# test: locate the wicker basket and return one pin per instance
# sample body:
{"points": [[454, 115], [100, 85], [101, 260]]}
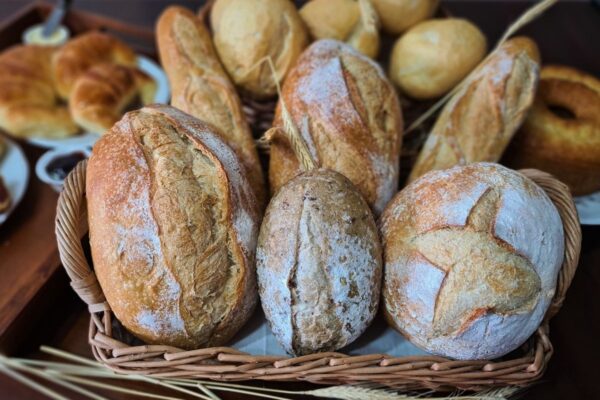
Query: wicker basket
{"points": [[228, 364]]}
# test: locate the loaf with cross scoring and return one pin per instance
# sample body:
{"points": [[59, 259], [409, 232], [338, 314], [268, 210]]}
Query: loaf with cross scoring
{"points": [[471, 258]]}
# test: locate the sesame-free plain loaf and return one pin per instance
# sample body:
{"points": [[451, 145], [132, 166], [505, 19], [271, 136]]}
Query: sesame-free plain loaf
{"points": [[471, 258], [318, 263], [348, 114], [173, 228]]}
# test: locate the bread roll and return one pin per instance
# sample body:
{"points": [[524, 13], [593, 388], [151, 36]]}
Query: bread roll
{"points": [[84, 51], [434, 56], [201, 87], [351, 21], [102, 93], [29, 105], [478, 122], [561, 133], [399, 15], [248, 31], [348, 113], [173, 228], [471, 257], [318, 263]]}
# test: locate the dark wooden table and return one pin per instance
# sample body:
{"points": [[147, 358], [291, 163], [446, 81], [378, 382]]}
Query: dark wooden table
{"points": [[567, 34]]}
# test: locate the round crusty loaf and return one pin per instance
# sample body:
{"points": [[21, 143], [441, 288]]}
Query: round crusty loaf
{"points": [[399, 15], [318, 263], [173, 228], [348, 114], [435, 55], [471, 257], [248, 31]]}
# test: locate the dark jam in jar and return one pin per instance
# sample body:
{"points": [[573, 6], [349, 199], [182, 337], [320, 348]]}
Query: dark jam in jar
{"points": [[60, 167]]}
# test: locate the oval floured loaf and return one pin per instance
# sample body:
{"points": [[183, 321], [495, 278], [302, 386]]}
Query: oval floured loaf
{"points": [[349, 115], [318, 263], [471, 259], [173, 228]]}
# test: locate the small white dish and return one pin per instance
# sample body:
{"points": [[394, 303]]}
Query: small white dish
{"points": [[33, 35], [43, 163], [14, 170], [588, 208], [162, 96]]}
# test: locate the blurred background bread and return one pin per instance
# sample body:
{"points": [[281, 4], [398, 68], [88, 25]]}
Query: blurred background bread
{"points": [[102, 93], [353, 21], [399, 15], [200, 86], [5, 200], [248, 31], [561, 134], [348, 113], [471, 258], [29, 103], [479, 121], [79, 54], [173, 228], [318, 263], [435, 55]]}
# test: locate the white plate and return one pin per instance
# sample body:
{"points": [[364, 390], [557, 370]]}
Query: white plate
{"points": [[14, 170], [588, 207], [88, 139]]}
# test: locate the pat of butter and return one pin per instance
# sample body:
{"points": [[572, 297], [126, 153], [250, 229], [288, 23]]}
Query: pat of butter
{"points": [[33, 35]]}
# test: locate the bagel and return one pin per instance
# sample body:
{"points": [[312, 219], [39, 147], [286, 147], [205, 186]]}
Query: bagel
{"points": [[561, 134]]}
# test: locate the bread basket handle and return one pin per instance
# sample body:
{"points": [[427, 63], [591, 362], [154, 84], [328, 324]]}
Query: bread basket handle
{"points": [[560, 195], [70, 213]]}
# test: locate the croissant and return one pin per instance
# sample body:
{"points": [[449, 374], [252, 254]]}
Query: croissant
{"points": [[29, 105], [101, 94], [86, 50]]}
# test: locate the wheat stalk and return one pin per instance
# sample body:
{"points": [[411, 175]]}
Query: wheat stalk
{"points": [[72, 375]]}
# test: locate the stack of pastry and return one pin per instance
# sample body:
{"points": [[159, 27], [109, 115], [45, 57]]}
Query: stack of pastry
{"points": [[95, 74]]}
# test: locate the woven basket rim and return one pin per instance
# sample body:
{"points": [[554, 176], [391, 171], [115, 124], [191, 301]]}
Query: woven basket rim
{"points": [[229, 364]]}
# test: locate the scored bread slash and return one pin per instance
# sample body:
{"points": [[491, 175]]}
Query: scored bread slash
{"points": [[173, 228], [318, 260]]}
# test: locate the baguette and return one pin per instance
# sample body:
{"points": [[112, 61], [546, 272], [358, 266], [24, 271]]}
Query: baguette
{"points": [[200, 86], [479, 121]]}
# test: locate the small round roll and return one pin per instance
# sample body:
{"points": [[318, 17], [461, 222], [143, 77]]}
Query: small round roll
{"points": [[248, 31], [434, 56], [399, 15]]}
